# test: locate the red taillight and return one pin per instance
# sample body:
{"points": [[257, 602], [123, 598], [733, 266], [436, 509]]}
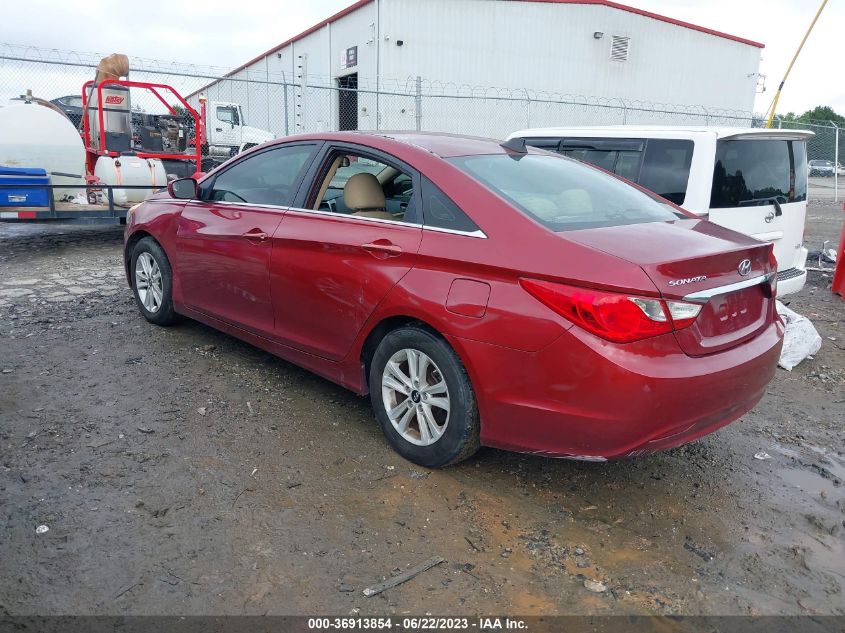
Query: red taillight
{"points": [[620, 318]]}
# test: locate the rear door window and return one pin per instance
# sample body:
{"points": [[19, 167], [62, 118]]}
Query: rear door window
{"points": [[440, 212], [751, 172]]}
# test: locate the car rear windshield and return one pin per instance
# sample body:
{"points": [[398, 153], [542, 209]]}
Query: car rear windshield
{"points": [[563, 194], [756, 172]]}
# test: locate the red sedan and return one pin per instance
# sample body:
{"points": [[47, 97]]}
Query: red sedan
{"points": [[480, 293]]}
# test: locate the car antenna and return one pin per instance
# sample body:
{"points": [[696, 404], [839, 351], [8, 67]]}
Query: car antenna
{"points": [[516, 145]]}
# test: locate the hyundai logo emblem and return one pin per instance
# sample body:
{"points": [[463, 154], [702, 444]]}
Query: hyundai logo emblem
{"points": [[744, 267], [769, 217]]}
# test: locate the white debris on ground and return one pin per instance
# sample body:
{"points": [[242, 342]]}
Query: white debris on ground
{"points": [[800, 339]]}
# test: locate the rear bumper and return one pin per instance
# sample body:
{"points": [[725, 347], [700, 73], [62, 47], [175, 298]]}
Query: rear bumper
{"points": [[585, 398], [792, 280]]}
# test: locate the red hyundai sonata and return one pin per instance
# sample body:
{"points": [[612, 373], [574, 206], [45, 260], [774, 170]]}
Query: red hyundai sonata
{"points": [[480, 293]]}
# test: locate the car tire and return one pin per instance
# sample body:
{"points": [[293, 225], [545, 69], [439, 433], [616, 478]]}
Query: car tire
{"points": [[152, 282], [409, 406]]}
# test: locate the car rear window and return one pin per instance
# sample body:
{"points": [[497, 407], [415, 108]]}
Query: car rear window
{"points": [[563, 194], [755, 172]]}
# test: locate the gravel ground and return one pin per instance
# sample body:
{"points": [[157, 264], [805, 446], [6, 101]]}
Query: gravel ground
{"points": [[181, 471]]}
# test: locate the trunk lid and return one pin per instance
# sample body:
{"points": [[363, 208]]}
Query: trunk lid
{"points": [[698, 262]]}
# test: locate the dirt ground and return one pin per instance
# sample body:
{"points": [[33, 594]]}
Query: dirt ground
{"points": [[181, 471]]}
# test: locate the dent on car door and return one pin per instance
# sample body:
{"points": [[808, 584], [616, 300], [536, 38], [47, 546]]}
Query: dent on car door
{"points": [[224, 240], [333, 263]]}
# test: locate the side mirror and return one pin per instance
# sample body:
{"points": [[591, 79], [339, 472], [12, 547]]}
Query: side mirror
{"points": [[182, 189]]}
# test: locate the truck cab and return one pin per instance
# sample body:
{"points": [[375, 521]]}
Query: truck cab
{"points": [[226, 131]]}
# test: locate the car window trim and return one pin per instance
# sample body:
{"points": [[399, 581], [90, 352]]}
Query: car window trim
{"points": [[362, 218], [229, 203]]}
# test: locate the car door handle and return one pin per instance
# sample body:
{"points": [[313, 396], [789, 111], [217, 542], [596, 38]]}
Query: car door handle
{"points": [[219, 129], [256, 235], [382, 249]]}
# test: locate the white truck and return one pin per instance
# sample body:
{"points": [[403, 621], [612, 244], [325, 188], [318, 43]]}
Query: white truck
{"points": [[226, 133]]}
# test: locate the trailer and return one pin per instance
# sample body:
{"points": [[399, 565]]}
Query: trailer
{"points": [[118, 158]]}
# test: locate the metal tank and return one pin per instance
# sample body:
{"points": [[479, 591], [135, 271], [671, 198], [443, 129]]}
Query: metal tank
{"points": [[35, 136]]}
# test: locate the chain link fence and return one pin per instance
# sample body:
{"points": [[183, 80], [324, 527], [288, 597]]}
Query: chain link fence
{"points": [[289, 103]]}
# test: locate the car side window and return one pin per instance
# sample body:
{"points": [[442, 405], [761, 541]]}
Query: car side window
{"points": [[267, 177], [440, 212], [362, 186]]}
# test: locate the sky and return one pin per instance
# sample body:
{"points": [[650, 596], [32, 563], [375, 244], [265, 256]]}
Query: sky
{"points": [[226, 34]]}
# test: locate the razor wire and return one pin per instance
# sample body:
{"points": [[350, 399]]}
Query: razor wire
{"points": [[286, 102]]}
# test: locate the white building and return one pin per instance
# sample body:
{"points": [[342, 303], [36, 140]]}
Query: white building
{"points": [[549, 62]]}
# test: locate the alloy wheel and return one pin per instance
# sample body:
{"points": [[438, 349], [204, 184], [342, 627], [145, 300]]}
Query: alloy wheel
{"points": [[148, 282], [415, 396]]}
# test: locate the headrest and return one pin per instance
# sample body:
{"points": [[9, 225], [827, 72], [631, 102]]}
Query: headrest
{"points": [[363, 192]]}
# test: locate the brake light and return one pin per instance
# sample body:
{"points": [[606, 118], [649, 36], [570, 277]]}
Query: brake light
{"points": [[620, 318]]}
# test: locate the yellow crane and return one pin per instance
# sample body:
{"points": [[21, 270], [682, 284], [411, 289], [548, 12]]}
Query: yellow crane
{"points": [[791, 64]]}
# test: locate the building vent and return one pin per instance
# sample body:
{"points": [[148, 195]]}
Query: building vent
{"points": [[619, 48]]}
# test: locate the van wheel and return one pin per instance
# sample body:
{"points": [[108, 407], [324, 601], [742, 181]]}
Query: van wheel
{"points": [[152, 282], [423, 399]]}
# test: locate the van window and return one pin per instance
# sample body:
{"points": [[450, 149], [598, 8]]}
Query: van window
{"points": [[665, 169], [659, 165], [625, 163], [799, 159], [757, 172]]}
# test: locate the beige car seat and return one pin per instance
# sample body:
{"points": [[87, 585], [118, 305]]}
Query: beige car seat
{"points": [[364, 195]]}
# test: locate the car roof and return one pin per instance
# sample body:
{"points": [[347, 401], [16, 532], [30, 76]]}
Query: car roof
{"points": [[440, 144], [612, 131]]}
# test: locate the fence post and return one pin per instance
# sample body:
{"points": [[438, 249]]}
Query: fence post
{"points": [[836, 164], [285, 101], [418, 103], [267, 85], [527, 107]]}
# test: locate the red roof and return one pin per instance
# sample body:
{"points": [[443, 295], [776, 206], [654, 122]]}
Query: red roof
{"points": [[603, 3]]}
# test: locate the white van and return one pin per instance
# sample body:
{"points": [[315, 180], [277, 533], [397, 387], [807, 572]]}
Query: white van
{"points": [[750, 180]]}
